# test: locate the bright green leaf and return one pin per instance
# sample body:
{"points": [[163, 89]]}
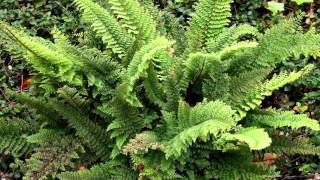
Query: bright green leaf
{"points": [[299, 2], [275, 7]]}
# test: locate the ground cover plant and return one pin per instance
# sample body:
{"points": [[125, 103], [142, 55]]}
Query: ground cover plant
{"points": [[153, 104]]}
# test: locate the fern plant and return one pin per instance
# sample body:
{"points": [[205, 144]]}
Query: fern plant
{"points": [[149, 106]]}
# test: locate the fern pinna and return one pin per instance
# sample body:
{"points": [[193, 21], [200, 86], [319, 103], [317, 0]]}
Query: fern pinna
{"points": [[151, 107]]}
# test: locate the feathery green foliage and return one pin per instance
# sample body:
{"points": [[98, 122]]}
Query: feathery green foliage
{"points": [[201, 121], [280, 119], [290, 146], [207, 22], [256, 139], [135, 19], [55, 152], [239, 167], [106, 26], [139, 66], [137, 109], [109, 170]]}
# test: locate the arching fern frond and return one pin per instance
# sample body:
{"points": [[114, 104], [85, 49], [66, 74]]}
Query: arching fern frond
{"points": [[255, 138], [196, 67], [154, 89], [151, 8], [14, 145], [247, 170], [245, 82], [13, 134], [90, 133], [282, 41], [106, 26], [292, 146], [108, 170], [74, 99], [139, 66], [209, 118], [232, 35], [42, 55], [39, 105], [135, 19], [236, 165], [229, 51], [253, 98], [278, 119], [125, 125], [210, 18]]}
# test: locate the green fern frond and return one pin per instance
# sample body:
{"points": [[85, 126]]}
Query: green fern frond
{"points": [[39, 105], [125, 125], [154, 89], [292, 146], [179, 143], [52, 156], [108, 170], [93, 63], [135, 19], [14, 145], [139, 66], [174, 30], [277, 44], [278, 119], [199, 122], [106, 26], [209, 20], [10, 45], [42, 55], [172, 85], [229, 51], [91, 133], [245, 82], [196, 66], [313, 43], [152, 9], [230, 36], [254, 97], [13, 134], [16, 126], [217, 84], [44, 135], [237, 172], [156, 74], [74, 98], [238, 165], [255, 138]]}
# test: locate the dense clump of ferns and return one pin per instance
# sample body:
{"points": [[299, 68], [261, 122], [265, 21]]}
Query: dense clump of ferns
{"points": [[151, 107]]}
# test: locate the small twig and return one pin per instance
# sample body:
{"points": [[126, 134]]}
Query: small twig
{"points": [[295, 159]]}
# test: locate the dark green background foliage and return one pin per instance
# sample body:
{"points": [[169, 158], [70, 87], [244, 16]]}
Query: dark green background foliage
{"points": [[39, 17]]}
